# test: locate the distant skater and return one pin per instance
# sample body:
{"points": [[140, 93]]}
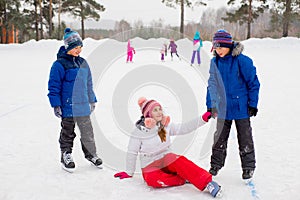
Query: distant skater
{"points": [[130, 52], [163, 51], [197, 44], [173, 48]]}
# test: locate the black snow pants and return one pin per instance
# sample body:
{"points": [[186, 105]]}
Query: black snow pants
{"points": [[245, 141], [67, 135]]}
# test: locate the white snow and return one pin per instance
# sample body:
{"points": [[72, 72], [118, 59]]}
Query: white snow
{"points": [[29, 150]]}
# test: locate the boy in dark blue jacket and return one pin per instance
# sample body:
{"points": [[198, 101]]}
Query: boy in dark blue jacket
{"points": [[232, 94], [73, 99]]}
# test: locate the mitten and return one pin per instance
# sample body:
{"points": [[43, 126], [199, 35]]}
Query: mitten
{"points": [[165, 121], [206, 116], [122, 175], [57, 111], [93, 106], [213, 111], [252, 111]]}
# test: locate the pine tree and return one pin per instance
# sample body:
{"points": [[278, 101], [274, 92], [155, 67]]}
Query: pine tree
{"points": [[84, 9], [246, 13], [10, 16], [182, 3], [284, 13]]}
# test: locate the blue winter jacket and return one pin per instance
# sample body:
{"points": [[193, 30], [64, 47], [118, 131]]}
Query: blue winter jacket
{"points": [[70, 85], [233, 85]]}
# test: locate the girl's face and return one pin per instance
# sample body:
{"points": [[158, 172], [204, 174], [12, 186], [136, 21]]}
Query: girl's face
{"points": [[222, 51], [157, 113], [75, 51]]}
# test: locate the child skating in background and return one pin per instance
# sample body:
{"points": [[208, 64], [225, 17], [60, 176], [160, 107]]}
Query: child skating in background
{"points": [[173, 48], [73, 99], [163, 52], [197, 44], [130, 52], [160, 167]]}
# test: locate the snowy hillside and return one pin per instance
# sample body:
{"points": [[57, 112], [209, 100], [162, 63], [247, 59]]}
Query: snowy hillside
{"points": [[29, 151]]}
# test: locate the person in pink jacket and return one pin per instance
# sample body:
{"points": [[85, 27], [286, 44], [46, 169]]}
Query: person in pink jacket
{"points": [[130, 52], [160, 167]]}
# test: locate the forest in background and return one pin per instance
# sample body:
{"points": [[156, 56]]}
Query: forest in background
{"points": [[252, 18], [209, 22]]}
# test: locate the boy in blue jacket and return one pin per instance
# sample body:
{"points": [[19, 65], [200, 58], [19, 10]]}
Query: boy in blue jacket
{"points": [[73, 99], [232, 94]]}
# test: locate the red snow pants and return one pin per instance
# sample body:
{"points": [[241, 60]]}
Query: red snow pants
{"points": [[174, 170]]}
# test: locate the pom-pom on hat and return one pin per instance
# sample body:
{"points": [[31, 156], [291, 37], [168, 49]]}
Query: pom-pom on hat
{"points": [[222, 38], [72, 39]]}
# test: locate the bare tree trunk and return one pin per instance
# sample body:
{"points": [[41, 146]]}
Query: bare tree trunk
{"points": [[82, 22], [36, 24], [5, 25], [50, 19], [82, 28], [41, 19], [182, 18], [286, 18], [59, 23], [249, 19]]}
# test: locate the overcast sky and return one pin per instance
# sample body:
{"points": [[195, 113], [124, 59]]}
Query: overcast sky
{"points": [[149, 10]]}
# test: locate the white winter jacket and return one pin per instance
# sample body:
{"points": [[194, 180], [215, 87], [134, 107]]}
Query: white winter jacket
{"points": [[147, 143]]}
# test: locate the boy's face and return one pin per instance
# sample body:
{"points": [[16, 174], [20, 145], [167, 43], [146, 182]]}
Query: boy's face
{"points": [[222, 51], [75, 51]]}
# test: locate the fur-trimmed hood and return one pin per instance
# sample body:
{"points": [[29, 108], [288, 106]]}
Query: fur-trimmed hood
{"points": [[237, 49]]}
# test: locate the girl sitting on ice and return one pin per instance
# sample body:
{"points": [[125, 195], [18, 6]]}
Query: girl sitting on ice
{"points": [[160, 167]]}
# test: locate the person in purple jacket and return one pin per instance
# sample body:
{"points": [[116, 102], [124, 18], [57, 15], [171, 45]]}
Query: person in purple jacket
{"points": [[173, 48]]}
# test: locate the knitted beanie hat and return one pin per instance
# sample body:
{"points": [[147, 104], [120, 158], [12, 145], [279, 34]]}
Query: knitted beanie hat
{"points": [[71, 39], [146, 107], [197, 35], [222, 39]]}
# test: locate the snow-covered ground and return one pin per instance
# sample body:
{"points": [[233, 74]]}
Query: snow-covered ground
{"points": [[29, 151]]}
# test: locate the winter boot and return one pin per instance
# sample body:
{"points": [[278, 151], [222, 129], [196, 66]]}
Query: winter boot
{"points": [[214, 171], [247, 174], [214, 189], [67, 162], [95, 161]]}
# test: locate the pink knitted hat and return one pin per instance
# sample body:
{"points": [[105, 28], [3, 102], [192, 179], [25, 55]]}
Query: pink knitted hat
{"points": [[146, 107]]}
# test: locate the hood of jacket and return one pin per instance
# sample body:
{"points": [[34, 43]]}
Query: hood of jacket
{"points": [[69, 61], [236, 50]]}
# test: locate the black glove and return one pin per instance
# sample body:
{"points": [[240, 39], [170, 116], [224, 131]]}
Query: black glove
{"points": [[213, 111], [252, 111], [57, 111]]}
